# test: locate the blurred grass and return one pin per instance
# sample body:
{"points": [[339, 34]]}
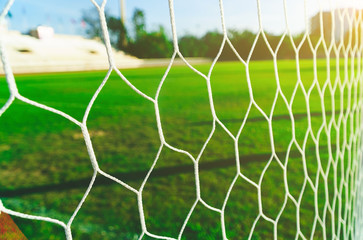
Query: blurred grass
{"points": [[38, 148]]}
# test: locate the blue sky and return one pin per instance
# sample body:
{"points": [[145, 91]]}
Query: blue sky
{"points": [[192, 16]]}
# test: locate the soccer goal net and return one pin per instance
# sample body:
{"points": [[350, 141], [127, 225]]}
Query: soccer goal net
{"points": [[280, 157]]}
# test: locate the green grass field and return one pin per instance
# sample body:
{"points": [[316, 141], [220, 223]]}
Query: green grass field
{"points": [[40, 148]]}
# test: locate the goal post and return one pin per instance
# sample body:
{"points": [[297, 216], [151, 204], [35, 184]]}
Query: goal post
{"points": [[296, 147]]}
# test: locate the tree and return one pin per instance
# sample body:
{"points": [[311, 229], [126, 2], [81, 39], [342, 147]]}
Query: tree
{"points": [[151, 45], [192, 46], [118, 34], [155, 44], [212, 41], [93, 26], [138, 20], [242, 41]]}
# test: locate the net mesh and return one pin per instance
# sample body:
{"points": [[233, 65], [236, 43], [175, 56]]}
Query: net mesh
{"points": [[335, 180]]}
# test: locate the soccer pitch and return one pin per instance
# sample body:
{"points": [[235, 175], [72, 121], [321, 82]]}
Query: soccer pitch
{"points": [[46, 170]]}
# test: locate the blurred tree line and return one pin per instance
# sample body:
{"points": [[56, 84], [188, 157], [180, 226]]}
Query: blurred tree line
{"points": [[156, 44], [142, 43]]}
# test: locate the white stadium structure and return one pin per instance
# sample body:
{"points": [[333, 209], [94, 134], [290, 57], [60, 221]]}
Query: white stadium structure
{"points": [[44, 51], [57, 53]]}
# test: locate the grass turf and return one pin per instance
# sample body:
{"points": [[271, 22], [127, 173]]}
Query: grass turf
{"points": [[40, 148]]}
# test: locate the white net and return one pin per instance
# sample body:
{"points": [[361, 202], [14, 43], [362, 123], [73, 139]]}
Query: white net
{"points": [[326, 151]]}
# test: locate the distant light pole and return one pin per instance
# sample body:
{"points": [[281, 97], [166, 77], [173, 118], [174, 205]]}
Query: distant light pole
{"points": [[123, 20], [122, 12]]}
